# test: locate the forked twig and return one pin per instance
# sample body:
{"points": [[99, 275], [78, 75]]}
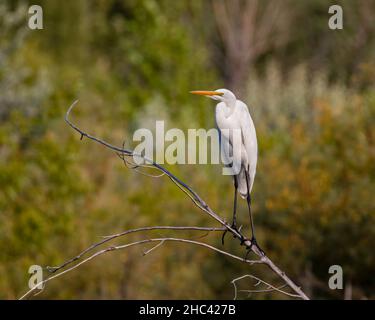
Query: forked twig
{"points": [[270, 287]]}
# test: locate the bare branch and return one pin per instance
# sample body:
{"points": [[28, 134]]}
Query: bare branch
{"points": [[270, 287], [121, 234], [135, 243], [128, 152]]}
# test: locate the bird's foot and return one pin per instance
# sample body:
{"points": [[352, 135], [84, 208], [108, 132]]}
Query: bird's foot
{"points": [[234, 227], [249, 248], [255, 244]]}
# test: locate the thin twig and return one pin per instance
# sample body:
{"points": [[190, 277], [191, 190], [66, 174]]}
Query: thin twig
{"points": [[153, 248], [270, 287], [117, 235], [113, 248]]}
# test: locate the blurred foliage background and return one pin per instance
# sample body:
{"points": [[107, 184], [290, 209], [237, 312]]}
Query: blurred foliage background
{"points": [[131, 62]]}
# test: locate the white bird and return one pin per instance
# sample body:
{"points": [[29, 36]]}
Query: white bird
{"points": [[232, 115]]}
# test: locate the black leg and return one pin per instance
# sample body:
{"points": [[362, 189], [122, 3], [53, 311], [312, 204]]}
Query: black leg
{"points": [[234, 222], [248, 199]]}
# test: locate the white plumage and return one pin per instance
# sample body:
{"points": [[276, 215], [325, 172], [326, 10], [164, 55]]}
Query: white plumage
{"points": [[233, 117], [239, 144], [230, 116]]}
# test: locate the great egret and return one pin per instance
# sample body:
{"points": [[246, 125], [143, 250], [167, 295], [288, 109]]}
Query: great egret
{"points": [[232, 114]]}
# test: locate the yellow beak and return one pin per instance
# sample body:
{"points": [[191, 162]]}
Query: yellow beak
{"points": [[207, 93]]}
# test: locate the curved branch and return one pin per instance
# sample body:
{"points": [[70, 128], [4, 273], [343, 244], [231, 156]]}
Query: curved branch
{"points": [[113, 248], [117, 235], [270, 287], [202, 204]]}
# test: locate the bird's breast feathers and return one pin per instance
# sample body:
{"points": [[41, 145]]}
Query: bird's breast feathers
{"points": [[239, 118]]}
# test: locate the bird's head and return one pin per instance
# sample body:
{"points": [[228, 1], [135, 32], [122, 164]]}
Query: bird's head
{"points": [[223, 95]]}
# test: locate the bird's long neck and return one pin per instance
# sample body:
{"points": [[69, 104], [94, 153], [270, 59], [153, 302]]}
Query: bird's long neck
{"points": [[231, 104]]}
